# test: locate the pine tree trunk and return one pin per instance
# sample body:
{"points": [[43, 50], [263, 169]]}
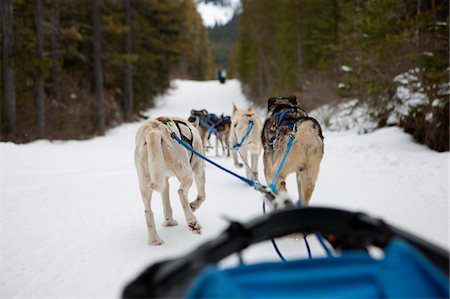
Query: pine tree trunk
{"points": [[54, 48], [98, 67], [8, 70], [40, 101], [127, 84]]}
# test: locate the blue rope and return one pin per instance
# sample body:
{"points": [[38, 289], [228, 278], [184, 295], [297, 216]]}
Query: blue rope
{"points": [[185, 145], [251, 184], [319, 237], [281, 114], [288, 148], [275, 246], [249, 128], [209, 127], [324, 246], [299, 204]]}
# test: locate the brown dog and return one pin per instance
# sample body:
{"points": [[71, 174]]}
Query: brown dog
{"points": [[284, 118], [200, 118], [210, 124], [223, 134], [157, 157]]}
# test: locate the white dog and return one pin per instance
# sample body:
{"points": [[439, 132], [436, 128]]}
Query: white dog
{"points": [[157, 157], [240, 120]]}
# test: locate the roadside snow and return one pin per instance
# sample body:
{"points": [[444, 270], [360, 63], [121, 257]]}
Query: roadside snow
{"points": [[73, 221]]}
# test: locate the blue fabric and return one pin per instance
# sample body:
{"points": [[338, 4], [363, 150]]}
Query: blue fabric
{"points": [[402, 273]]}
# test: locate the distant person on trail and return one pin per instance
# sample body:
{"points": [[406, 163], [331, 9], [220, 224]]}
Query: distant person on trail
{"points": [[222, 75]]}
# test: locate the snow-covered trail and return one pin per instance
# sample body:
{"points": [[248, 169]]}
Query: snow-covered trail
{"points": [[73, 225]]}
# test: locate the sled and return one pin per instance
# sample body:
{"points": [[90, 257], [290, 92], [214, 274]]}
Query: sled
{"points": [[411, 267]]}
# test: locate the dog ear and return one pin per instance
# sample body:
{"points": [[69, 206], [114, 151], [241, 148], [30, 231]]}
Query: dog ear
{"points": [[250, 107], [270, 102], [234, 108], [293, 100]]}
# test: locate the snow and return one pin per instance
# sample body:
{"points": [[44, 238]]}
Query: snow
{"points": [[73, 223], [213, 14], [346, 68], [358, 116], [350, 115]]}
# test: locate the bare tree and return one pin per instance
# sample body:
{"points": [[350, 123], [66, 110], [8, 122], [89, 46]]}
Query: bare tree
{"points": [[40, 101], [8, 69], [98, 73], [127, 84]]}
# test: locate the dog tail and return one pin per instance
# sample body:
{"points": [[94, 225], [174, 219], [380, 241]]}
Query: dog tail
{"points": [[156, 164]]}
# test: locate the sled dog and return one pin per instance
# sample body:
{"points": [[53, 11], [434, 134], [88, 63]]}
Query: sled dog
{"points": [[200, 119], [285, 117], [209, 122], [157, 157], [223, 134], [240, 120]]}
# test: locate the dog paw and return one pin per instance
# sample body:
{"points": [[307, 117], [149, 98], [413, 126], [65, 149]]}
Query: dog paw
{"points": [[239, 165], [155, 242], [171, 222], [195, 227]]}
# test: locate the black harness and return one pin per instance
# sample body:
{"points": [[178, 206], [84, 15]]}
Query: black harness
{"points": [[183, 137]]}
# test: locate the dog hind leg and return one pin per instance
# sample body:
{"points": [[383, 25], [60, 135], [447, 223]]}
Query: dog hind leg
{"points": [[306, 180], [168, 215], [185, 184], [153, 237], [199, 176]]}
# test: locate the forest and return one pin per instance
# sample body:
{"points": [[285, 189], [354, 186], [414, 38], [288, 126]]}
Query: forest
{"points": [[73, 69], [390, 55]]}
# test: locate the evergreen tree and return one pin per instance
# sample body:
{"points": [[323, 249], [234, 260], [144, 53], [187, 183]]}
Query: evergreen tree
{"points": [[9, 100], [40, 96]]}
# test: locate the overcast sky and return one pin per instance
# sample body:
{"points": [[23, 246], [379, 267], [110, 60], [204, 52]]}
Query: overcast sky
{"points": [[212, 14]]}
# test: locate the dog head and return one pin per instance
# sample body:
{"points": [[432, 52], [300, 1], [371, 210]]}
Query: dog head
{"points": [[238, 112], [275, 105], [195, 116], [199, 113]]}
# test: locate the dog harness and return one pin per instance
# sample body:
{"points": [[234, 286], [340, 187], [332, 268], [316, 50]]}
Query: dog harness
{"points": [[249, 128], [205, 120], [183, 137], [292, 124]]}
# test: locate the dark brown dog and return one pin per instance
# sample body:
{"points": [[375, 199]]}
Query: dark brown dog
{"points": [[223, 134], [284, 118]]}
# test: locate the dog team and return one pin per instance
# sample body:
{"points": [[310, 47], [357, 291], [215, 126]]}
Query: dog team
{"points": [[159, 156]]}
